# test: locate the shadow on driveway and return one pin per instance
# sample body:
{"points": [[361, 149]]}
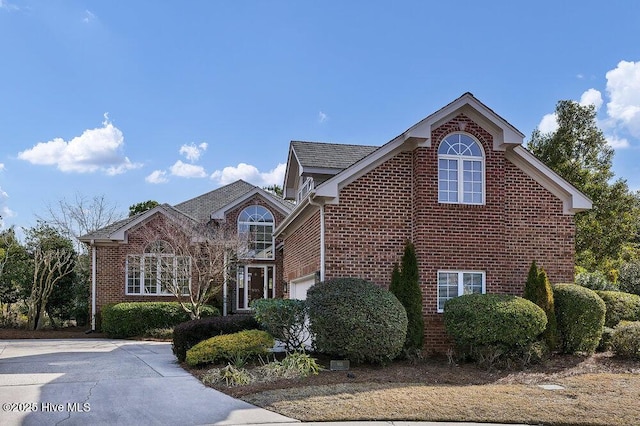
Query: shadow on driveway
{"points": [[110, 382]]}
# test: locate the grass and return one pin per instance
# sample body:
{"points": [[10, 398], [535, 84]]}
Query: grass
{"points": [[598, 390]]}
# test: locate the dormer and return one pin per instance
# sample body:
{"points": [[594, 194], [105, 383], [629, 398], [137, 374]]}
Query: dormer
{"points": [[312, 163]]}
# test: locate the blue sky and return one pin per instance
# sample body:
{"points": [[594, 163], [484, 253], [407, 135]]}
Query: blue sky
{"points": [[139, 100]]}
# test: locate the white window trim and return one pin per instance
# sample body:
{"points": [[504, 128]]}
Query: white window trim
{"points": [[249, 224], [245, 288], [460, 161], [460, 283], [141, 258]]}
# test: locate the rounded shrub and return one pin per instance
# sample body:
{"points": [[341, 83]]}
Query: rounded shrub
{"points": [[508, 324], [580, 313], [284, 319], [189, 333], [357, 320], [133, 319], [625, 340], [231, 347], [620, 307], [629, 277]]}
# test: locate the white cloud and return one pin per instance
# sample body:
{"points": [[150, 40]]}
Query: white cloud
{"points": [[548, 124], [616, 143], [193, 152], [187, 170], [157, 176], [4, 4], [1, 167], [5, 211], [322, 117], [251, 174], [623, 88], [88, 16], [96, 150], [591, 97]]}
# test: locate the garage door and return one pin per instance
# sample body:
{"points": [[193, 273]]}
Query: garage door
{"points": [[300, 287]]}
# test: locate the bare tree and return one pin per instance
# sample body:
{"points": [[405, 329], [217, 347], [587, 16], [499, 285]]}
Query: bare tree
{"points": [[198, 265], [81, 216], [50, 266]]}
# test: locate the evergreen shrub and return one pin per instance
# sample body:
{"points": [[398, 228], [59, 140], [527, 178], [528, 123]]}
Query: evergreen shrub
{"points": [[625, 341], [284, 319], [580, 313], [629, 277], [503, 325], [133, 319], [405, 286], [538, 290], [357, 320], [189, 333], [620, 307], [231, 347]]}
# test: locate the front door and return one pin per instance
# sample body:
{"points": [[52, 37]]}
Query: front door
{"points": [[254, 282]]}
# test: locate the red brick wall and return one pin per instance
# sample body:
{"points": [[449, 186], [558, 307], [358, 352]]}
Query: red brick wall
{"points": [[111, 263], [365, 233], [304, 256]]}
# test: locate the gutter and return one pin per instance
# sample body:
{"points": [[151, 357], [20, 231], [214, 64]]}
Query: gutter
{"points": [[93, 285], [322, 247]]}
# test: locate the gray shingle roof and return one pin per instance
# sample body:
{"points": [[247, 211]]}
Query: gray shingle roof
{"points": [[198, 208], [329, 155]]}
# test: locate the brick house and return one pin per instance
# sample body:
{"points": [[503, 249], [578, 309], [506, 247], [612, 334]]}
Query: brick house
{"points": [[128, 267], [476, 204]]}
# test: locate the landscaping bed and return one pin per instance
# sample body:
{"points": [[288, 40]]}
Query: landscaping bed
{"points": [[598, 390]]}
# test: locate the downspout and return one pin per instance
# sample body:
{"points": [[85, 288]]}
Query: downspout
{"points": [[224, 285], [322, 248], [93, 285]]}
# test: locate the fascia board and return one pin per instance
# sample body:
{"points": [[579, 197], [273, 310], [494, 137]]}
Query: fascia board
{"points": [[291, 220], [221, 213], [291, 176], [573, 200], [120, 234]]}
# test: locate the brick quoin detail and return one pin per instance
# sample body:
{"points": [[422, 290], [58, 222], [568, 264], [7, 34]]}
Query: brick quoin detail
{"points": [[398, 200]]}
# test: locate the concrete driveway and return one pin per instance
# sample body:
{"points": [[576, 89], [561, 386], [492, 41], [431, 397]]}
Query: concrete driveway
{"points": [[110, 382]]}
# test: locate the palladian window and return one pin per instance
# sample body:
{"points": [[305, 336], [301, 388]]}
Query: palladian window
{"points": [[460, 170], [255, 227], [158, 271]]}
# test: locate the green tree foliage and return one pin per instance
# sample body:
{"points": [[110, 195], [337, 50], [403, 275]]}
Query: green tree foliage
{"points": [[578, 151], [275, 189], [52, 290], [406, 287], [538, 290], [15, 270], [141, 207]]}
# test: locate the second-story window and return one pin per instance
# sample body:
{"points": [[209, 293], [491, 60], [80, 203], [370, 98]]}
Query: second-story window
{"points": [[460, 170], [255, 227]]}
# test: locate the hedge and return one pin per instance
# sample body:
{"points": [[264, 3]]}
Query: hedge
{"points": [[132, 319], [625, 340], [580, 313], [620, 307], [188, 334], [357, 320], [231, 347], [507, 324], [284, 319]]}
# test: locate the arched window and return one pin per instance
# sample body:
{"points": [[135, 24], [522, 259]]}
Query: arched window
{"points": [[158, 271], [255, 226], [460, 170]]}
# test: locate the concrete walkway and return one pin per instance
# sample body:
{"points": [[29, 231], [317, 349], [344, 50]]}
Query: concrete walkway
{"points": [[110, 382]]}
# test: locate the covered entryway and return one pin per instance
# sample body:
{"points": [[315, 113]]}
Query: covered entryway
{"points": [[254, 282]]}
